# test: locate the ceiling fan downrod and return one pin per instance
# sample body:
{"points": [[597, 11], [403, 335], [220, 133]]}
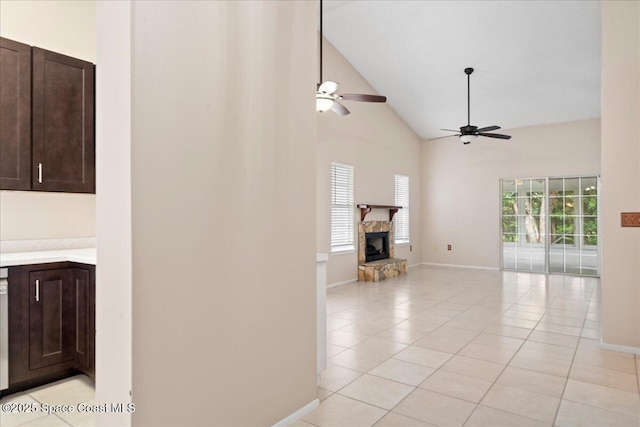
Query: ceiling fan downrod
{"points": [[468, 72], [320, 44], [326, 96]]}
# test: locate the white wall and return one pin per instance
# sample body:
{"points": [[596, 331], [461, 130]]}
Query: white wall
{"points": [[461, 198], [222, 213], [379, 144], [113, 211], [67, 27], [620, 172], [42, 215]]}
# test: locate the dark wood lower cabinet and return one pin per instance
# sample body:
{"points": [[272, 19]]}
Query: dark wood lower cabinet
{"points": [[51, 318], [51, 322], [85, 320]]}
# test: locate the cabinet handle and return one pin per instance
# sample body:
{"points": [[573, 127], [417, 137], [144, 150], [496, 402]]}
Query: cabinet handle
{"points": [[39, 173], [37, 290]]}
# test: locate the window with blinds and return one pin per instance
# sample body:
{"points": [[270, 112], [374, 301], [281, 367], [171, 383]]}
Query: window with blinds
{"points": [[401, 218], [342, 208]]}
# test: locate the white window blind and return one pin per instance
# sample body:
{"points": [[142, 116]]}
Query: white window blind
{"points": [[401, 218], [342, 209]]}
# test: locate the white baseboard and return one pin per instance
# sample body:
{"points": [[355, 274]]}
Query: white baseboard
{"points": [[476, 267], [290, 419], [346, 282], [616, 347]]}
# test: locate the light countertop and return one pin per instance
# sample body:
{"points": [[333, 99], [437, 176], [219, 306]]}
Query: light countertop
{"points": [[83, 256]]}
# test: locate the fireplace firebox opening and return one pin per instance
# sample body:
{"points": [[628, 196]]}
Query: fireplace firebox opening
{"points": [[377, 246]]}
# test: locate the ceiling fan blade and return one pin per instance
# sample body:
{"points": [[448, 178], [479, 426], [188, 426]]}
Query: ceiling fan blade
{"points": [[451, 130], [495, 135], [440, 137], [488, 129], [328, 87], [362, 97], [339, 108]]}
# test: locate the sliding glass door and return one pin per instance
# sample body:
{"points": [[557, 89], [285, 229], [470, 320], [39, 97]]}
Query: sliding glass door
{"points": [[550, 225], [523, 224], [573, 206]]}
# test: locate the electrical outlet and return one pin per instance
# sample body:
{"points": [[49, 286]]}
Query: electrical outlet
{"points": [[448, 247]]}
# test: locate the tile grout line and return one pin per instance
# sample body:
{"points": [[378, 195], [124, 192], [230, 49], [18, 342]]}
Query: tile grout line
{"points": [[477, 404], [414, 387], [564, 389], [505, 366], [519, 348], [600, 385], [561, 294]]}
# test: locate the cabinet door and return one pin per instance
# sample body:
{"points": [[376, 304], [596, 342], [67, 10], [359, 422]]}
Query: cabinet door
{"points": [[52, 326], [15, 115], [63, 123], [85, 320]]}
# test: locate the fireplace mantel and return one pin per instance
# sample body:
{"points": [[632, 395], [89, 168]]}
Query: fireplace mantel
{"points": [[365, 209]]}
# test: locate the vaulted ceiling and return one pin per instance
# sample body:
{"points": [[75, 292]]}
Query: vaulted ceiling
{"points": [[536, 62]]}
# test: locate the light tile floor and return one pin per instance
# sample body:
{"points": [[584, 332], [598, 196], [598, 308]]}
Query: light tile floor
{"points": [[447, 347], [460, 347], [71, 391]]}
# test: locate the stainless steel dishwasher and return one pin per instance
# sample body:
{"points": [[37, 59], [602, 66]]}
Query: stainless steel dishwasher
{"points": [[4, 329]]}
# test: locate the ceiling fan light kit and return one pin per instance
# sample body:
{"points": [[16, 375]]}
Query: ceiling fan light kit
{"points": [[323, 103], [466, 139], [326, 96], [469, 133]]}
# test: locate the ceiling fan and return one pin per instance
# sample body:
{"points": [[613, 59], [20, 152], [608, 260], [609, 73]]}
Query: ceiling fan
{"points": [[326, 96], [469, 133]]}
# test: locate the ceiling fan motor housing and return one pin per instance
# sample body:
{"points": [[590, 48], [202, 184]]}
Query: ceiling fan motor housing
{"points": [[468, 130]]}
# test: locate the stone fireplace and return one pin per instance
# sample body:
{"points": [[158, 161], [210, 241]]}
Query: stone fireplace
{"points": [[376, 252], [374, 227]]}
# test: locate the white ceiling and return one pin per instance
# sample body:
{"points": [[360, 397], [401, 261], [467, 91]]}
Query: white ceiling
{"points": [[536, 62]]}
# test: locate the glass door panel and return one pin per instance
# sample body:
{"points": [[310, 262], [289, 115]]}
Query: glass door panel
{"points": [[509, 190], [590, 255], [565, 210], [523, 224]]}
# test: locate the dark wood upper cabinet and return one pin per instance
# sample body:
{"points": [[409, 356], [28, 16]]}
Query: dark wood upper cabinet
{"points": [[15, 115], [47, 120], [63, 123]]}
